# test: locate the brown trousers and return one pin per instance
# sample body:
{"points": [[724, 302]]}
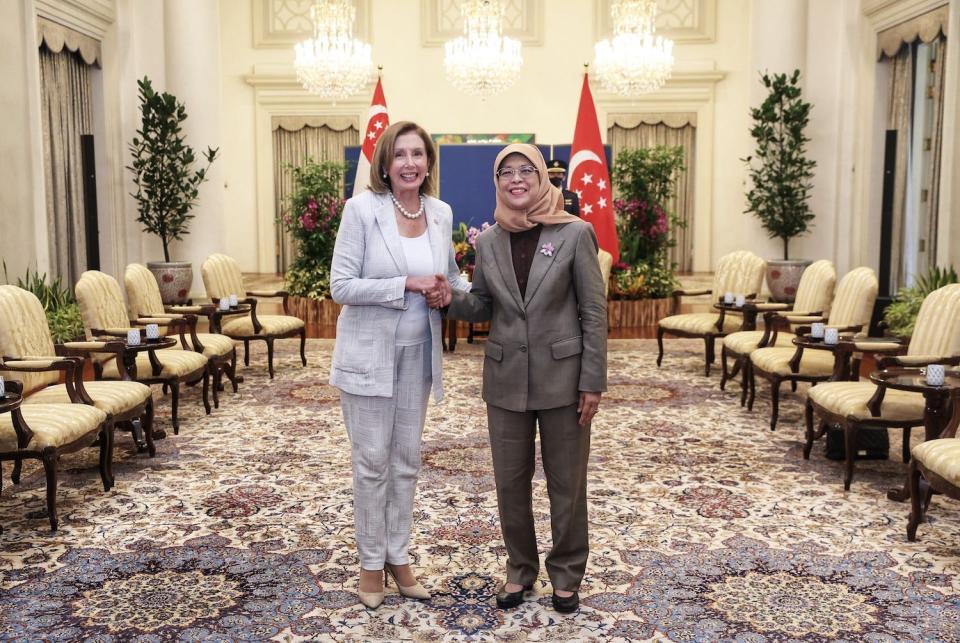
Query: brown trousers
{"points": [[565, 448]]}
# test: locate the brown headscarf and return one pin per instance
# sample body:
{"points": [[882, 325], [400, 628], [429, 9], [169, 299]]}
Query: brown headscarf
{"points": [[547, 207]]}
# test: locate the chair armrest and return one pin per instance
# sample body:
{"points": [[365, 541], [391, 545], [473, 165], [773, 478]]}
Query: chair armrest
{"points": [[805, 319], [88, 348], [271, 293], [918, 360], [767, 306], [183, 323], [72, 368], [690, 293]]}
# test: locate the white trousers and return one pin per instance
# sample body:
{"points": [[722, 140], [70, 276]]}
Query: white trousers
{"points": [[385, 437]]}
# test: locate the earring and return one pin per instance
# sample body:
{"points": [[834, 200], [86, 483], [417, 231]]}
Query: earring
{"points": [[384, 175], [426, 174]]}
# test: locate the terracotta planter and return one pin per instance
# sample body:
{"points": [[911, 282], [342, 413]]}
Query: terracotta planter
{"points": [[783, 278], [174, 279], [315, 311], [626, 313]]}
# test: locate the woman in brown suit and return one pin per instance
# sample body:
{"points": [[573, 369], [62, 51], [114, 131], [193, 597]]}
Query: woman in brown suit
{"points": [[537, 280]]}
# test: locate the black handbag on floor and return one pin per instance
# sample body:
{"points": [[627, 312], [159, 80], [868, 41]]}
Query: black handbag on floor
{"points": [[871, 445]]}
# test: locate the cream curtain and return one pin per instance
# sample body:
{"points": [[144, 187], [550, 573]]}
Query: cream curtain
{"points": [[925, 28], [66, 113], [898, 118], [295, 139], [938, 59], [673, 130]]}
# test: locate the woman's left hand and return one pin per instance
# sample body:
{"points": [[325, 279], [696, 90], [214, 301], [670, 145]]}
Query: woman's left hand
{"points": [[588, 406]]}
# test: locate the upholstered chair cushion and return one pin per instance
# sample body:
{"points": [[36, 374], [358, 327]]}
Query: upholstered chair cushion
{"points": [[937, 331], [849, 399], [701, 323], [23, 332], [606, 266], [114, 398], [942, 457], [272, 325], [215, 345], [143, 294], [815, 291], [222, 277], [853, 303], [53, 425], [739, 272], [745, 342], [174, 363], [101, 302], [776, 360]]}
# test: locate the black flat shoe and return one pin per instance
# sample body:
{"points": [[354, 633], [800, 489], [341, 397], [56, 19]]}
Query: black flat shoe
{"points": [[566, 604], [508, 600]]}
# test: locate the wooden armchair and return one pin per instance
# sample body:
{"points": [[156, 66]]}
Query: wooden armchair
{"points": [[222, 278], [24, 333], [46, 431], [814, 295], [937, 462], [856, 406], [104, 315], [739, 272], [143, 298]]}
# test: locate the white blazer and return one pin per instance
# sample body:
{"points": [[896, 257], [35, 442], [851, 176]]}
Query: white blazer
{"points": [[367, 276]]}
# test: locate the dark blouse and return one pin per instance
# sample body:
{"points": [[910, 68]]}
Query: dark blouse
{"points": [[523, 246]]}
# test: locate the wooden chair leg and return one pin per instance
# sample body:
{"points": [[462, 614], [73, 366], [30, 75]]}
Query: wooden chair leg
{"points": [[206, 389], [753, 389], [709, 357], [147, 423], [303, 345], [775, 403], [106, 456], [217, 367], [905, 449], [50, 462], [916, 506], [246, 352], [808, 417], [724, 375], [17, 470], [175, 406], [659, 345], [850, 448], [270, 356], [745, 382]]}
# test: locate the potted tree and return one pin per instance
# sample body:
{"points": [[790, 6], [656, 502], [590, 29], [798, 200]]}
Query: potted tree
{"points": [[167, 183], [643, 282], [780, 174]]}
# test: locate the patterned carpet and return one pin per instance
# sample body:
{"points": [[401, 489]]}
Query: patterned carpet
{"points": [[704, 525]]}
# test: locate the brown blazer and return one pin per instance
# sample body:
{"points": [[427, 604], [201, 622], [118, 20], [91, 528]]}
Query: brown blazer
{"points": [[546, 348]]}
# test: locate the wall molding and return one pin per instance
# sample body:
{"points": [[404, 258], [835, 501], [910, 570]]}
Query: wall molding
{"points": [[89, 17], [691, 89], [683, 21], [440, 21], [278, 24], [278, 93]]}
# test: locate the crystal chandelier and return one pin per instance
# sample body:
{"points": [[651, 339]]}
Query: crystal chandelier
{"points": [[333, 64], [482, 61], [634, 61]]}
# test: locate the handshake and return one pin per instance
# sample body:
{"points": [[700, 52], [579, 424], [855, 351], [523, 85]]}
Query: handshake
{"points": [[435, 289]]}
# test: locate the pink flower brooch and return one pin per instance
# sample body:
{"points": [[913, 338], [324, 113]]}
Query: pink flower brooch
{"points": [[547, 249]]}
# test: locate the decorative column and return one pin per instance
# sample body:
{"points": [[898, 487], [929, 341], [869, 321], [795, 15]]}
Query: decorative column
{"points": [[193, 75]]}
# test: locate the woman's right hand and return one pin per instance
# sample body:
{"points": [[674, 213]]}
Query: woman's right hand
{"points": [[422, 285]]}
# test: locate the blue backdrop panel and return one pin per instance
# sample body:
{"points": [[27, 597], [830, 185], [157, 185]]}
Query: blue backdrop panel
{"points": [[351, 154], [466, 181]]}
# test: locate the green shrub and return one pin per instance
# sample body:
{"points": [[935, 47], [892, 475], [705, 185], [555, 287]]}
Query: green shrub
{"points": [[901, 315]]}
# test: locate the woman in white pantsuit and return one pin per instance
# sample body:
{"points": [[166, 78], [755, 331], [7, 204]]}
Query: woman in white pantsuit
{"points": [[393, 247]]}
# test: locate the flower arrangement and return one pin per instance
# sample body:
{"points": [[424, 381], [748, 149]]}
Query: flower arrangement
{"points": [[465, 245], [312, 216], [645, 179]]}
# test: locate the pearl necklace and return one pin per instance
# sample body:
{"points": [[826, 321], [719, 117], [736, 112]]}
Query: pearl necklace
{"points": [[403, 210]]}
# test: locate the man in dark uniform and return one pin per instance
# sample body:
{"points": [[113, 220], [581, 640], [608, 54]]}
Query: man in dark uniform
{"points": [[557, 172]]}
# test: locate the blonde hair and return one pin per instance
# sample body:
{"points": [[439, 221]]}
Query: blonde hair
{"points": [[383, 154]]}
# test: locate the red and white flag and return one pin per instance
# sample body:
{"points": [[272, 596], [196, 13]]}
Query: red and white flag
{"points": [[589, 176], [377, 122]]}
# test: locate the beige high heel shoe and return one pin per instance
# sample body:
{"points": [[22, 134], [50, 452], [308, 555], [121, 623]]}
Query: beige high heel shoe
{"points": [[371, 600], [416, 591]]}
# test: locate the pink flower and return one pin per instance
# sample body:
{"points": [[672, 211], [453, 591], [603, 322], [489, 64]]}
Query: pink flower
{"points": [[547, 249], [308, 222], [312, 204]]}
